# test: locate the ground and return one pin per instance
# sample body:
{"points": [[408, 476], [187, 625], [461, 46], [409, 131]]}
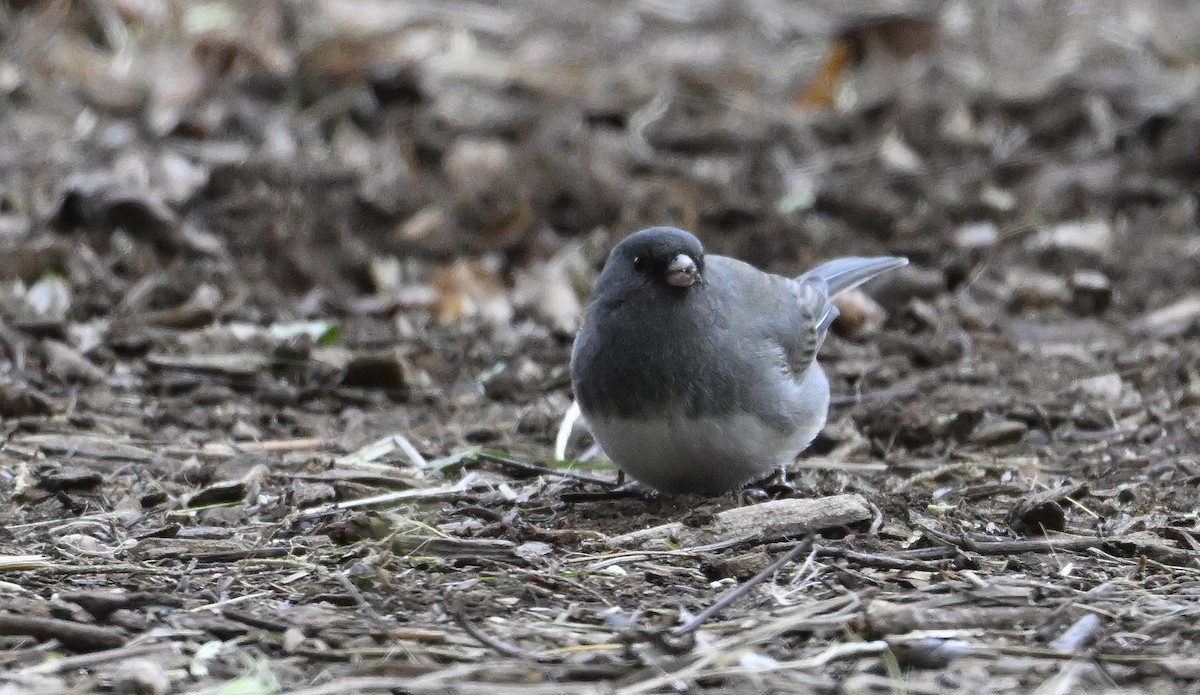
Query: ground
{"points": [[288, 292]]}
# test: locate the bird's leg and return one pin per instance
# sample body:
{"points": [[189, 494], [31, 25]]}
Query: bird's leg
{"points": [[777, 477], [780, 480], [776, 482]]}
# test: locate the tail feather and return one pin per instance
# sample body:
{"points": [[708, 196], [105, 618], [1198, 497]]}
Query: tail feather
{"points": [[847, 273], [832, 278]]}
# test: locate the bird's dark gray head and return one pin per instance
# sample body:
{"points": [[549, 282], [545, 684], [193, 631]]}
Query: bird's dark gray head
{"points": [[664, 256]]}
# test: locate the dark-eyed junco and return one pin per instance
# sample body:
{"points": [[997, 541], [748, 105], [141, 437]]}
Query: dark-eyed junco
{"points": [[697, 373]]}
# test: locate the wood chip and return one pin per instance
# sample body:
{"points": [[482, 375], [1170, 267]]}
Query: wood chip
{"points": [[998, 432], [65, 363], [770, 521], [1172, 320], [84, 445], [232, 364], [887, 618]]}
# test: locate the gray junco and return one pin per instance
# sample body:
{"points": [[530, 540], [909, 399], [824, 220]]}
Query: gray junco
{"points": [[697, 373]]}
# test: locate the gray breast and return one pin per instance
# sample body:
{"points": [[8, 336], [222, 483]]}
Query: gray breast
{"points": [[654, 355]]}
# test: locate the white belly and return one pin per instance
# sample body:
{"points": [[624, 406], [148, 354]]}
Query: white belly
{"points": [[706, 455]]}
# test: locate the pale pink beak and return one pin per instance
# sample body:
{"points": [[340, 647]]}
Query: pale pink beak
{"points": [[682, 271]]}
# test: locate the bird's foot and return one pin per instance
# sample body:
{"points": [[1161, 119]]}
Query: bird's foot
{"points": [[773, 486]]}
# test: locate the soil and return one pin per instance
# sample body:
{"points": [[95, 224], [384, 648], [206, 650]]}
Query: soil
{"points": [[287, 297]]}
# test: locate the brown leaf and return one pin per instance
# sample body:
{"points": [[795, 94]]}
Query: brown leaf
{"points": [[467, 290]]}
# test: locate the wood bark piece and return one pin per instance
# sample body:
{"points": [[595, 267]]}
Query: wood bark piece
{"points": [[769, 521], [95, 446], [72, 634], [1172, 320], [882, 618]]}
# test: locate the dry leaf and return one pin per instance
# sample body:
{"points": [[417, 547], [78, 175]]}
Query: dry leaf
{"points": [[466, 291]]}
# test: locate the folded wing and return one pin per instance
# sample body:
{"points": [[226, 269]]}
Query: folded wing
{"points": [[814, 292]]}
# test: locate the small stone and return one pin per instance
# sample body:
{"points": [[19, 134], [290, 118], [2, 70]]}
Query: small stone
{"points": [[898, 155], [998, 432], [311, 494], [492, 205], [62, 477], [380, 369], [976, 236], [521, 376], [1091, 292], [293, 639], [141, 677], [923, 315], [1191, 397], [1042, 511], [1106, 387], [1089, 237], [1036, 290], [244, 431], [739, 567], [998, 199], [542, 418], [424, 223]]}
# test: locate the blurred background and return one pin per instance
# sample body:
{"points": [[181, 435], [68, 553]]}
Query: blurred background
{"points": [[437, 155]]}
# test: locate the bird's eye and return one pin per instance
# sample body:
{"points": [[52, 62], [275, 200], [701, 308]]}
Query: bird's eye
{"points": [[639, 263]]}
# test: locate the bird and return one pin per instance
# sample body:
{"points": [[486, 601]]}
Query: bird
{"points": [[697, 373]]}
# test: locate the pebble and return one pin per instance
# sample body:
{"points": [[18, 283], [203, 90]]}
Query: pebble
{"points": [[976, 236], [141, 677], [1191, 397], [1088, 237], [1033, 289], [1091, 292], [1105, 387], [997, 432]]}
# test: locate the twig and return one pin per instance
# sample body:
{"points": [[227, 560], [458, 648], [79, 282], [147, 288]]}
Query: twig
{"points": [[539, 468], [1018, 547], [228, 602], [436, 683], [73, 634], [420, 495], [798, 549], [887, 562], [254, 621], [14, 345], [266, 446], [1080, 632], [455, 609], [223, 557], [803, 617], [359, 599], [71, 663]]}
